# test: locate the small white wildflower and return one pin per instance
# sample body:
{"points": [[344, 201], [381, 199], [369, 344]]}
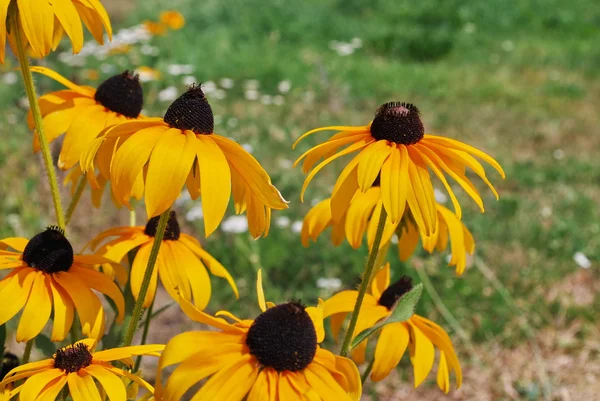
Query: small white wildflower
{"points": [[219, 94], [278, 100], [558, 154], [251, 94], [508, 46], [148, 50], [356, 43], [331, 284], [285, 163], [189, 80], [344, 49], [440, 197], [284, 86], [470, 28], [546, 211], [10, 78], [174, 69], [226, 83], [209, 87], [218, 119], [235, 225], [251, 84], [582, 260], [187, 69], [168, 94], [283, 222], [232, 122], [266, 99], [107, 68], [194, 214], [297, 227]]}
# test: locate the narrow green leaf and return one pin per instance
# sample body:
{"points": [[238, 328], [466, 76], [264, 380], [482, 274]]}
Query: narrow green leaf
{"points": [[44, 344], [403, 310]]}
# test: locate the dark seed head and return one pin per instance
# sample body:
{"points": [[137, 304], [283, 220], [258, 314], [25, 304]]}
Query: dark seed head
{"points": [[191, 111], [283, 338], [9, 362], [49, 251], [172, 231], [72, 358], [122, 94], [398, 122], [394, 292]]}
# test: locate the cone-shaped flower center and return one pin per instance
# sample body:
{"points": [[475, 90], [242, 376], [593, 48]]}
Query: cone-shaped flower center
{"points": [[398, 122], [122, 94], [191, 111], [72, 358], [172, 231], [49, 251], [394, 292], [283, 338], [9, 362]]}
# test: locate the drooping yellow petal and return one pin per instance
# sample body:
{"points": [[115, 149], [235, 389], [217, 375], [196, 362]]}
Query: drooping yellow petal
{"points": [[408, 239], [82, 90], [260, 292], [167, 271], [231, 383], [422, 354], [350, 372], [63, 312], [324, 384], [82, 387], [115, 354], [37, 310], [87, 304], [190, 267], [33, 386], [371, 161], [395, 183], [67, 14], [343, 128], [316, 315], [265, 387], [344, 189], [198, 316], [3, 14], [138, 269], [358, 214], [391, 345], [15, 292], [443, 375], [81, 133], [16, 243], [50, 393], [37, 20], [168, 168], [215, 182], [112, 385], [100, 282], [381, 281]]}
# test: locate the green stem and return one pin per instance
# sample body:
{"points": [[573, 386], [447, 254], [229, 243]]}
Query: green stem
{"points": [[27, 352], [137, 309], [367, 372], [138, 362], [132, 218], [366, 279], [75, 200], [37, 118]]}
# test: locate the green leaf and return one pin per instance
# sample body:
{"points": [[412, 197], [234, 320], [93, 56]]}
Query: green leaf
{"points": [[403, 310], [44, 344]]}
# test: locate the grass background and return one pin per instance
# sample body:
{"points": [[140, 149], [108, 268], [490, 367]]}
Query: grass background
{"points": [[516, 79]]}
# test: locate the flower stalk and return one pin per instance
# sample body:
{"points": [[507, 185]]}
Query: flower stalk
{"points": [[37, 118], [364, 284], [75, 200], [137, 309]]}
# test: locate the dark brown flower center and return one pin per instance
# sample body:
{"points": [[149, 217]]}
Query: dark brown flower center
{"points": [[72, 358], [9, 362], [191, 111], [49, 251], [394, 292], [122, 94], [172, 232], [398, 122], [283, 338]]}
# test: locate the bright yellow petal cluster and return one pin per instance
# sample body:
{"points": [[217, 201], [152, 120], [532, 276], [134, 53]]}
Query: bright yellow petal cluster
{"points": [[42, 23]]}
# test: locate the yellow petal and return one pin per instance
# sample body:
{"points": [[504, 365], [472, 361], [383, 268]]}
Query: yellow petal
{"points": [[395, 183], [343, 128], [138, 269], [88, 307], [381, 281], [422, 354], [443, 376], [391, 345], [53, 389], [168, 168], [37, 19], [260, 292], [231, 383], [82, 90], [350, 372], [100, 282], [190, 267], [371, 162], [115, 354], [3, 14], [82, 387], [112, 385], [14, 294], [67, 14], [16, 243], [265, 387], [80, 135], [37, 310], [324, 384], [63, 312], [215, 182], [35, 384]]}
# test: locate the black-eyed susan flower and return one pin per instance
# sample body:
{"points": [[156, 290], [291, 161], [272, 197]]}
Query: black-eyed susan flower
{"points": [[361, 218], [418, 334], [173, 19], [43, 22], [395, 147], [273, 357], [78, 367], [160, 155], [46, 279], [182, 263], [82, 112]]}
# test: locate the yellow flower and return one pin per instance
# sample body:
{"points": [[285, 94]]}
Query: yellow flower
{"points": [[48, 278], [273, 357], [148, 74], [157, 157], [394, 145], [173, 19], [82, 112], [181, 265], [43, 22], [78, 367], [155, 28], [362, 217], [418, 334]]}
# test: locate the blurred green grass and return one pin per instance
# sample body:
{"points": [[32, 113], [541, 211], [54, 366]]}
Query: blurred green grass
{"points": [[516, 79]]}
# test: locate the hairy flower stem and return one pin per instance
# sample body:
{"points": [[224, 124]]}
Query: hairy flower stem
{"points": [[137, 309], [75, 200], [138, 362], [27, 352], [367, 372], [37, 118], [364, 284]]}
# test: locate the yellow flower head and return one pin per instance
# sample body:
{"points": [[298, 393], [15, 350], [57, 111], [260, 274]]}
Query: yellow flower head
{"points": [[42, 23], [395, 147], [182, 263], [362, 217], [46, 277], [156, 157], [173, 19], [155, 28], [79, 368], [418, 334], [273, 357]]}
